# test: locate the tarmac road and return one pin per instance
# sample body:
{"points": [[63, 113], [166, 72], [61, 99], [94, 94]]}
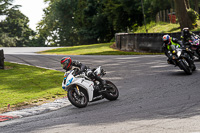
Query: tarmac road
{"points": [[154, 98]]}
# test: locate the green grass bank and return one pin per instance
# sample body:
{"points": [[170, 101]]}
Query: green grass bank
{"points": [[93, 49], [22, 85]]}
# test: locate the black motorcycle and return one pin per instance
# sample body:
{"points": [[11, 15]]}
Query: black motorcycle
{"points": [[194, 46], [180, 57]]}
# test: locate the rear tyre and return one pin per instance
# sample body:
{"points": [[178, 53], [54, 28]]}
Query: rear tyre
{"points": [[79, 101], [198, 52], [112, 92]]}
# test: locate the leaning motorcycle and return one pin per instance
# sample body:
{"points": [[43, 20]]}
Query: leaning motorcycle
{"points": [[195, 46], [182, 59], [81, 89]]}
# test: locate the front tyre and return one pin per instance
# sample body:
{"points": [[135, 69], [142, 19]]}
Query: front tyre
{"points": [[77, 100], [112, 92], [183, 64], [193, 67]]}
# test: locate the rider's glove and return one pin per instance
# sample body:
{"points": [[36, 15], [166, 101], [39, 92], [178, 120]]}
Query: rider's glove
{"points": [[89, 72]]}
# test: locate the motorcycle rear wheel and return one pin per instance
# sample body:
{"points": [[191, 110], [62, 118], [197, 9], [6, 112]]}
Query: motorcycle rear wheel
{"points": [[198, 51], [112, 92], [79, 101]]}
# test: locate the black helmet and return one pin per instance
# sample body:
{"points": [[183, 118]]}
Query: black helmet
{"points": [[67, 63], [186, 32]]}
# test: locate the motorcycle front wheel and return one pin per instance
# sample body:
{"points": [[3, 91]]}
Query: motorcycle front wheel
{"points": [[112, 92], [183, 64], [76, 99], [193, 67]]}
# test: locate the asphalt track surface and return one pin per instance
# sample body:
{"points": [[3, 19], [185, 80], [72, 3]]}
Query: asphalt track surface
{"points": [[155, 97]]}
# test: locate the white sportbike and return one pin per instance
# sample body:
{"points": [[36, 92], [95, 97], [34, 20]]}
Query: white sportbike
{"points": [[81, 89]]}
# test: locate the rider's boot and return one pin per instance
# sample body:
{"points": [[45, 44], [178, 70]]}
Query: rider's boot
{"points": [[102, 86], [103, 82], [96, 88], [170, 62]]}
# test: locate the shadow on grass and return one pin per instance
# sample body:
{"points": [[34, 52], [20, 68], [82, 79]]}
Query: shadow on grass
{"points": [[174, 29]]}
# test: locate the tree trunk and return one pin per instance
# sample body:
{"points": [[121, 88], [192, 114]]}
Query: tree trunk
{"points": [[196, 6], [181, 13], [187, 4], [1, 59]]}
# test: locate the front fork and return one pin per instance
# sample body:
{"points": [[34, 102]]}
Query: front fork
{"points": [[77, 90]]}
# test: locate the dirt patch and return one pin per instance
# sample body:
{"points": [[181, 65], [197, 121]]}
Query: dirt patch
{"points": [[7, 67], [113, 46]]}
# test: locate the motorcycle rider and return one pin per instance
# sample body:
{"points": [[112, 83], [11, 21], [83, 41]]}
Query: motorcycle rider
{"points": [[169, 45], [187, 36], [68, 64]]}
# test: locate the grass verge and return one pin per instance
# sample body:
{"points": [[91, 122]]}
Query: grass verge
{"points": [[163, 27], [93, 49], [22, 85]]}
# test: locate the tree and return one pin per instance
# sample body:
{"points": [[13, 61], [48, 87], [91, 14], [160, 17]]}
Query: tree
{"points": [[4, 6], [187, 4], [152, 7], [181, 7], [57, 26], [7, 41], [16, 25], [14, 29], [76, 22], [93, 24], [197, 6]]}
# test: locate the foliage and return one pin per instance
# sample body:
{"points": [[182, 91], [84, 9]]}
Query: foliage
{"points": [[79, 22], [4, 6], [152, 7], [184, 19], [6, 41], [16, 25], [22, 84], [161, 27], [193, 16], [76, 22], [14, 29], [86, 21]]}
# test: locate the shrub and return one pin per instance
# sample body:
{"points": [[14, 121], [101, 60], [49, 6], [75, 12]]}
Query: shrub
{"points": [[193, 16], [7, 41]]}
